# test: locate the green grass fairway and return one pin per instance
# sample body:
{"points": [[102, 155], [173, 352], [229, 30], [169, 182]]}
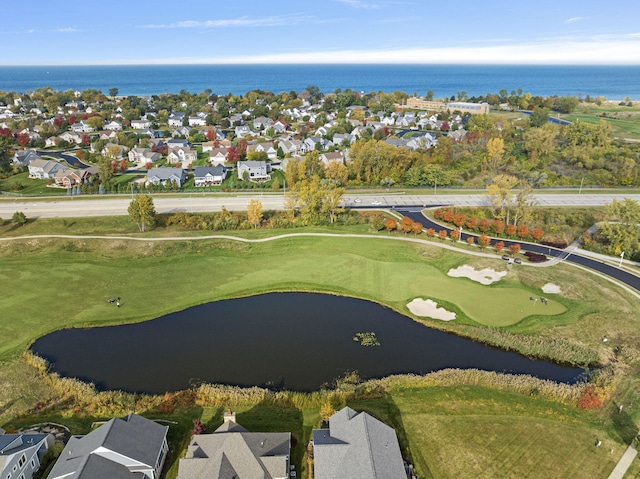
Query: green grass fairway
{"points": [[62, 283], [470, 431]]}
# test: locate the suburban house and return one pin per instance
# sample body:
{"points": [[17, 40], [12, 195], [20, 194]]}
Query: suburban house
{"points": [[71, 137], [343, 139], [162, 176], [182, 154], [356, 445], [233, 452], [180, 131], [173, 143], [68, 177], [43, 169], [141, 124], [114, 151], [132, 447], [266, 147], [24, 157], [255, 171], [209, 175], [290, 147], [218, 156], [262, 123], [143, 155], [280, 126], [20, 454], [108, 135], [175, 118], [242, 130], [198, 120], [113, 125], [332, 157]]}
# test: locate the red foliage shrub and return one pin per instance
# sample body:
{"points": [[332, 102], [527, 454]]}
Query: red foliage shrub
{"points": [[535, 257], [589, 398]]}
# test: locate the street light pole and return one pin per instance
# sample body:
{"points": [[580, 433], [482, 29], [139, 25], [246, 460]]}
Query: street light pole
{"points": [[581, 182], [621, 257], [435, 186]]}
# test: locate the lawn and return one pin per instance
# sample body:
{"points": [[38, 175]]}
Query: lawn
{"points": [[22, 185], [180, 274], [471, 431], [463, 431]]}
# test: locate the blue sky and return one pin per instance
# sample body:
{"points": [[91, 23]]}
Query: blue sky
{"points": [[73, 32]]}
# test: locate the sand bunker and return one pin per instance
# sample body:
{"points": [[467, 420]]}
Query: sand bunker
{"points": [[551, 288], [429, 308], [483, 276]]}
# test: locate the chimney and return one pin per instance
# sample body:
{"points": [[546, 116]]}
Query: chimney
{"points": [[229, 415]]}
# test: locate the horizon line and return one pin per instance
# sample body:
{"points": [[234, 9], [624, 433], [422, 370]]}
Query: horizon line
{"points": [[315, 64]]}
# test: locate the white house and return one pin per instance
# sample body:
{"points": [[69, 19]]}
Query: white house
{"points": [[20, 454], [113, 125], [140, 124], [254, 171], [182, 154], [176, 118], [43, 169], [209, 175], [132, 447]]}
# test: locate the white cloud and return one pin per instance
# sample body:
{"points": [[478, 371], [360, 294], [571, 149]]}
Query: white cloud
{"points": [[574, 19], [622, 52], [67, 30], [272, 21], [359, 4]]}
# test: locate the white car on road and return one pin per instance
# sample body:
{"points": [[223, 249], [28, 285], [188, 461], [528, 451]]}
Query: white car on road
{"points": [[376, 203]]}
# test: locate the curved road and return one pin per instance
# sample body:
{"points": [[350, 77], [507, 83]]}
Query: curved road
{"points": [[617, 273]]}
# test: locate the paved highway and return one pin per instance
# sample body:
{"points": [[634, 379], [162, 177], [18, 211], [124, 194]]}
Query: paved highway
{"points": [[199, 203]]}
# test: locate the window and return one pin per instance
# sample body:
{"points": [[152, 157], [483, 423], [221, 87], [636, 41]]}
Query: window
{"points": [[22, 460], [33, 464]]}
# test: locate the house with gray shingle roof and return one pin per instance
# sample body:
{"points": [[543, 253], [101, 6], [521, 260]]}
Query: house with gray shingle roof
{"points": [[20, 454], [43, 169], [162, 176], [129, 448], [356, 445], [209, 175], [233, 452]]}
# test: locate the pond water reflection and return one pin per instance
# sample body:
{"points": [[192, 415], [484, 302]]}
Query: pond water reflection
{"points": [[295, 341]]}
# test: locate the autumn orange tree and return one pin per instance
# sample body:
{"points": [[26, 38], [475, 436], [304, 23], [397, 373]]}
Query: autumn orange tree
{"points": [[390, 224], [442, 234], [406, 224], [499, 246], [416, 228], [514, 249], [523, 231], [483, 241], [471, 240], [537, 233]]}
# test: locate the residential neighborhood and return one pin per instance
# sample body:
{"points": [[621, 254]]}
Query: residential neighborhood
{"points": [[253, 139]]}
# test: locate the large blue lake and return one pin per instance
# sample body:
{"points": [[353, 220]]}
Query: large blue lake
{"points": [[295, 341], [613, 82]]}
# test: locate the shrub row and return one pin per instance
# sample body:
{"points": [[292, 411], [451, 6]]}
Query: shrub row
{"points": [[496, 226]]}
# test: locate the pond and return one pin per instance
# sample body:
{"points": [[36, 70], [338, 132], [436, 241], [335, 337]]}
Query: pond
{"points": [[294, 341]]}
